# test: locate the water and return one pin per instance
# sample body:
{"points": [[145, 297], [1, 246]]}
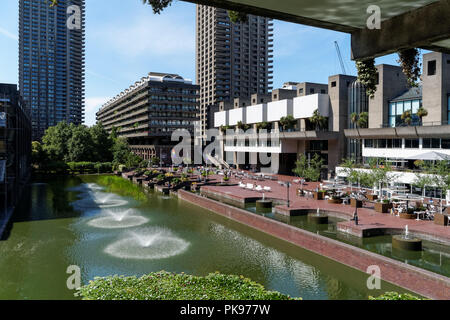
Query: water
{"points": [[434, 257], [52, 231]]}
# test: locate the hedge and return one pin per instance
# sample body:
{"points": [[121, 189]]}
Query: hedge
{"points": [[76, 167], [395, 296], [170, 286]]}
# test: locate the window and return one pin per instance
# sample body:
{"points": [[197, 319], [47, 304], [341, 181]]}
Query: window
{"points": [[431, 143], [368, 143], [445, 143], [412, 143], [311, 91], [432, 68], [333, 84]]}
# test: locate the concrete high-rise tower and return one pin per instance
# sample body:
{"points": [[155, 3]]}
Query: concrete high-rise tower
{"points": [[51, 61], [232, 60]]}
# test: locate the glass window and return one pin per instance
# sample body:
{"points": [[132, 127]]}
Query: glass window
{"points": [[368, 143], [397, 143], [415, 106], [407, 105], [426, 143], [381, 143], [412, 143], [445, 144], [400, 108]]}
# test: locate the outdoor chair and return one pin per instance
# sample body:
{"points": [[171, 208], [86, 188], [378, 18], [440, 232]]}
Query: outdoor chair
{"points": [[259, 189]]}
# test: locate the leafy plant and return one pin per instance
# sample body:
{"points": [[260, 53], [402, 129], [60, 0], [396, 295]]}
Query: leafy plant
{"points": [[169, 286], [409, 60], [236, 16], [158, 5], [421, 113], [407, 117], [367, 76], [288, 122], [318, 120], [395, 296], [363, 120], [309, 170]]}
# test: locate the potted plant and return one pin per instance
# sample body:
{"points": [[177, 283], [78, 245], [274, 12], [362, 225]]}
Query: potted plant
{"points": [[409, 214], [355, 203], [383, 206], [335, 199], [372, 197], [319, 195], [421, 113]]}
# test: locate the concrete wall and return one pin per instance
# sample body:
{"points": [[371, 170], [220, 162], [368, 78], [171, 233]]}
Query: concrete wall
{"points": [[392, 83], [307, 88], [436, 87]]}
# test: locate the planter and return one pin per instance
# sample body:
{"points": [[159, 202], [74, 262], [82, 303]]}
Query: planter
{"points": [[409, 216], [335, 201], [356, 203], [441, 219], [319, 195], [372, 197], [382, 207]]}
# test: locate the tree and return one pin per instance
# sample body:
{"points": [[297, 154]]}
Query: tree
{"points": [[363, 120], [120, 151], [102, 143], [55, 141], [79, 145], [263, 126], [318, 120], [288, 122], [309, 170], [38, 155]]}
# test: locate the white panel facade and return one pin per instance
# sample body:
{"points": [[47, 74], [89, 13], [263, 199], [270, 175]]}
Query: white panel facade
{"points": [[304, 107], [279, 109], [220, 119], [236, 115], [256, 114]]}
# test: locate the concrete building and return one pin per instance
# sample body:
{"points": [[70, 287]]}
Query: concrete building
{"points": [[232, 60], [388, 136], [148, 112], [15, 150], [300, 101], [51, 62]]}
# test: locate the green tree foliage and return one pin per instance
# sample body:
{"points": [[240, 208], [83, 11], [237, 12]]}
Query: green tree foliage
{"points": [[80, 144], [158, 5], [236, 16], [309, 169], [367, 75], [409, 59], [288, 122], [319, 121]]}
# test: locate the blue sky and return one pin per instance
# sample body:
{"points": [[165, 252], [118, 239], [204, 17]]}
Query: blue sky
{"points": [[125, 41]]}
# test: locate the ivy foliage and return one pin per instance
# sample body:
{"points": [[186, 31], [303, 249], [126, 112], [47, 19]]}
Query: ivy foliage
{"points": [[367, 75], [409, 60]]}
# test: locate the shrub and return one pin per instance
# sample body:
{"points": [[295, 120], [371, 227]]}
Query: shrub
{"points": [[395, 296], [169, 286]]}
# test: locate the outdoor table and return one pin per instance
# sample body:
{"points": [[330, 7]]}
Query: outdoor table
{"points": [[419, 213]]}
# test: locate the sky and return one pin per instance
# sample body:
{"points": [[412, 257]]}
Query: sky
{"points": [[125, 41]]}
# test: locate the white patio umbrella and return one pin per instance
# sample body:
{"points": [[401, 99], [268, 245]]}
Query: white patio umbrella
{"points": [[430, 156]]}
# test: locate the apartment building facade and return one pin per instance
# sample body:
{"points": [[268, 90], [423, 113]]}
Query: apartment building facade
{"points": [[15, 150], [232, 60], [301, 101], [51, 61], [148, 112]]}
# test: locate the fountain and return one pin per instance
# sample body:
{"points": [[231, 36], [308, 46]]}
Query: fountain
{"points": [[118, 218], [264, 206], [318, 217], [100, 200], [152, 243], [406, 242]]}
